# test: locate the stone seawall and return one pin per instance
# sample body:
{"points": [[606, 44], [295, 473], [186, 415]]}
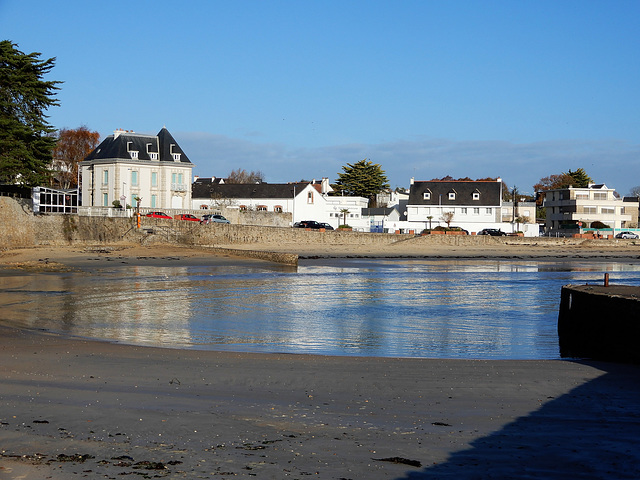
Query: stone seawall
{"points": [[600, 322], [20, 228]]}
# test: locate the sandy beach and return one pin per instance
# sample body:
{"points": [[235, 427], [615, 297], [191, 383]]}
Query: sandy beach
{"points": [[73, 408]]}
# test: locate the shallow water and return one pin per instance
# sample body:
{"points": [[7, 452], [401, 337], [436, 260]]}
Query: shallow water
{"points": [[487, 309]]}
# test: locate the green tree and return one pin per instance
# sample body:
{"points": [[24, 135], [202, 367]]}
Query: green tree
{"points": [[26, 141], [580, 178], [361, 179]]}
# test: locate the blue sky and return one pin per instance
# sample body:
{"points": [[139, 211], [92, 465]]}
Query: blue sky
{"points": [[296, 89]]}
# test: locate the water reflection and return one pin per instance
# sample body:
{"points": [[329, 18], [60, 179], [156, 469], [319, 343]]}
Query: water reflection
{"points": [[408, 308]]}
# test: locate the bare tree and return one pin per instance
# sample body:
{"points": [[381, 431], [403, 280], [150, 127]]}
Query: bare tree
{"points": [[72, 146], [242, 176], [447, 217]]}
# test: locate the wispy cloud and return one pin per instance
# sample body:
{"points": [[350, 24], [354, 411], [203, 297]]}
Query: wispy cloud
{"points": [[613, 162]]}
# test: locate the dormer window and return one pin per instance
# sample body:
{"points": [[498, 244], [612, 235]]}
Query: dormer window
{"points": [[452, 195], [152, 155], [176, 156], [476, 195], [132, 153], [426, 196]]}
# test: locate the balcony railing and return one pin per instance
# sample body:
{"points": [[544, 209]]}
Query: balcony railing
{"points": [[179, 187]]}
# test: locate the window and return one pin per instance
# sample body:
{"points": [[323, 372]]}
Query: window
{"points": [[180, 178], [600, 196], [582, 196], [154, 201], [590, 210], [452, 195], [463, 210], [261, 208], [134, 154], [174, 177], [476, 195], [476, 211], [105, 177], [134, 178], [176, 157], [489, 211], [278, 209], [310, 197], [426, 196], [105, 199], [243, 208], [154, 179], [608, 210]]}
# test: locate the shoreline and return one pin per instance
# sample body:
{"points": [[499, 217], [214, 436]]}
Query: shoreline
{"points": [[78, 256], [78, 408]]}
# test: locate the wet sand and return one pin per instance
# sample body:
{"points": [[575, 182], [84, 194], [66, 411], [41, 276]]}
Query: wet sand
{"points": [[72, 408]]}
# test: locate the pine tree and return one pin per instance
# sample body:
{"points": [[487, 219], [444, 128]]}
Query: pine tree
{"points": [[580, 178], [362, 179], [26, 140]]}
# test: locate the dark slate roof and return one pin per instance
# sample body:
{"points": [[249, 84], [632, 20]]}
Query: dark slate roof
{"points": [[490, 193], [118, 146], [370, 212], [245, 190]]}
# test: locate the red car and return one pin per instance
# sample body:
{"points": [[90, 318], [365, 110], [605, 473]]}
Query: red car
{"points": [[158, 215], [187, 216]]}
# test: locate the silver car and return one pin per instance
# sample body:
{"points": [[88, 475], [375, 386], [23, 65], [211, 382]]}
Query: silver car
{"points": [[213, 219], [626, 235]]}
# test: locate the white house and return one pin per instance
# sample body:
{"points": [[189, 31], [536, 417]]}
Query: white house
{"points": [[128, 165], [303, 200], [472, 205]]}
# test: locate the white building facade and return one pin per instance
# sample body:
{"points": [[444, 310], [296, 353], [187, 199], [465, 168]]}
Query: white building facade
{"points": [[303, 200], [127, 166]]}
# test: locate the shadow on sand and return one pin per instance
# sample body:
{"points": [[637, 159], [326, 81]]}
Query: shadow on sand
{"points": [[592, 432]]}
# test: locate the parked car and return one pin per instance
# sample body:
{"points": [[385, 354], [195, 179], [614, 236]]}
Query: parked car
{"points": [[326, 226], [626, 235], [460, 229], [309, 224], [158, 215], [494, 232], [187, 216], [213, 218]]}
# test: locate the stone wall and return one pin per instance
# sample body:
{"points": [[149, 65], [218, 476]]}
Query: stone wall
{"points": [[20, 228]]}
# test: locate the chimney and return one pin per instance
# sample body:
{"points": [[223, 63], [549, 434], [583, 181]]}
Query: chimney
{"points": [[325, 185]]}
